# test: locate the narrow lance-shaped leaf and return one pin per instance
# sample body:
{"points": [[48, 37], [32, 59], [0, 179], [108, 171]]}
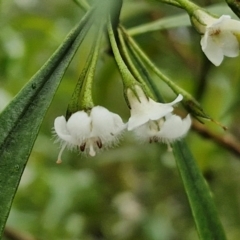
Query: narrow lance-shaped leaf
{"points": [[21, 120], [204, 212]]}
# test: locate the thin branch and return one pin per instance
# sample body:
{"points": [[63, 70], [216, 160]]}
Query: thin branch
{"points": [[14, 234], [227, 141]]}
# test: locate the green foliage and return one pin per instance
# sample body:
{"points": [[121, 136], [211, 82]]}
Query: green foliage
{"points": [[130, 192], [21, 119], [204, 212]]}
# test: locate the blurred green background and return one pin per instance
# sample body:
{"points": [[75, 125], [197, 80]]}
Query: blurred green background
{"points": [[133, 191]]}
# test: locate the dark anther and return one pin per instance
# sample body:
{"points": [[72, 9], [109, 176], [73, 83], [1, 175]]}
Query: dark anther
{"points": [[153, 139], [99, 143], [82, 147]]}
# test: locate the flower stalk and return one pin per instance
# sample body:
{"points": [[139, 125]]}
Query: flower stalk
{"points": [[134, 66], [189, 6], [171, 2], [82, 98], [128, 79]]}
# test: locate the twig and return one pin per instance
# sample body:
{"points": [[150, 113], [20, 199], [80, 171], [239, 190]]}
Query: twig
{"points": [[227, 141], [14, 234]]}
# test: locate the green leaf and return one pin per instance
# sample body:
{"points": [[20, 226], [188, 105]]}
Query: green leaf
{"points": [[180, 20], [163, 23], [235, 6], [204, 212], [21, 120]]}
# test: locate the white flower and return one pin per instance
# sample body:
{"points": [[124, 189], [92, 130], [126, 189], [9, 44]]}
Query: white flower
{"points": [[89, 131], [165, 130], [153, 121], [220, 38]]}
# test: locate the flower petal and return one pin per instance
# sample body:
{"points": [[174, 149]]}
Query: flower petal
{"points": [[230, 45], [105, 124], [147, 131], [174, 128], [144, 109], [178, 99], [150, 111], [79, 126], [60, 126], [212, 49], [220, 21], [231, 25]]}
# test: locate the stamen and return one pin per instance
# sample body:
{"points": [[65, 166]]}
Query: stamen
{"points": [[169, 148], [99, 143], [92, 152], [59, 160], [82, 147], [215, 32], [153, 139]]}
